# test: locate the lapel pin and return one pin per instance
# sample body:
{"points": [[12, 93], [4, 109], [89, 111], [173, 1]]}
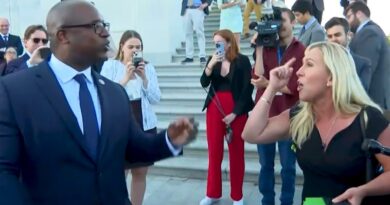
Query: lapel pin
{"points": [[101, 81]]}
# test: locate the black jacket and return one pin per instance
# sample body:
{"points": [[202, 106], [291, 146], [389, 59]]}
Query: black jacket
{"points": [[240, 82]]}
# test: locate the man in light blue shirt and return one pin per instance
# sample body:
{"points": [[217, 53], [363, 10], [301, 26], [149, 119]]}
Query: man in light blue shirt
{"points": [[311, 31]]}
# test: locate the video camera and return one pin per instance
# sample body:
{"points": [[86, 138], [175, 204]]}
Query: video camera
{"points": [[268, 28]]}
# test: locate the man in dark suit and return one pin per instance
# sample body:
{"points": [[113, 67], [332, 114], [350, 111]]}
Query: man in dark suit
{"points": [[345, 3], [65, 130], [337, 31], [35, 36], [194, 12], [7, 39], [370, 41]]}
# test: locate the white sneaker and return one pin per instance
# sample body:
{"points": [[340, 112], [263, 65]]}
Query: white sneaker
{"points": [[240, 202], [208, 201]]}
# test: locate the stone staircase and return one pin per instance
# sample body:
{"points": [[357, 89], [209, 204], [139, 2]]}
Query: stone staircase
{"points": [[182, 95]]}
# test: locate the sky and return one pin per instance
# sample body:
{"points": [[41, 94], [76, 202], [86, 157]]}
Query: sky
{"points": [[379, 11]]}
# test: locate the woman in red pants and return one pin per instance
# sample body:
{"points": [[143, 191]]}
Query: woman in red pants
{"points": [[228, 102]]}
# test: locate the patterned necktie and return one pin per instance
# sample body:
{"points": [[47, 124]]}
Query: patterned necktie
{"points": [[189, 3], [90, 124]]}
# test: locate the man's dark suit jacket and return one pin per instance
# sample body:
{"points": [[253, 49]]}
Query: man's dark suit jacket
{"points": [[43, 156], [185, 2], [13, 41], [363, 69], [17, 64], [3, 66], [371, 43]]}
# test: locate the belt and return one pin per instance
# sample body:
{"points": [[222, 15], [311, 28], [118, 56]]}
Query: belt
{"points": [[193, 7]]}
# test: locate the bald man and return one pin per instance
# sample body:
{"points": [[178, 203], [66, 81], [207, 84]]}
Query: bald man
{"points": [[8, 40], [65, 131]]}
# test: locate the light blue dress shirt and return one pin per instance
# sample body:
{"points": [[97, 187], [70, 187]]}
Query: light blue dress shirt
{"points": [[362, 25], [310, 22]]}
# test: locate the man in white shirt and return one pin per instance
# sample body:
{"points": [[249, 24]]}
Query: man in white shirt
{"points": [[7, 39]]}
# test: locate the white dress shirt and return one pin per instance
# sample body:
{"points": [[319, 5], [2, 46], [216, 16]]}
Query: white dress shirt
{"points": [[65, 76]]}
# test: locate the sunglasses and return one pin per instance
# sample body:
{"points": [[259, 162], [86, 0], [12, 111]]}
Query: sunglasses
{"points": [[37, 40]]}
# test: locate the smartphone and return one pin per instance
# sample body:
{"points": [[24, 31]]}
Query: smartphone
{"points": [[220, 49], [45, 53], [137, 58]]}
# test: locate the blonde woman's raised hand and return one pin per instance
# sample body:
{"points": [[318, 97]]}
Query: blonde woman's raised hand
{"points": [[280, 76]]}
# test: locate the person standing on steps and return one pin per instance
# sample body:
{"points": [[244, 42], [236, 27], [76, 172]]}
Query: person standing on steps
{"points": [[194, 12]]}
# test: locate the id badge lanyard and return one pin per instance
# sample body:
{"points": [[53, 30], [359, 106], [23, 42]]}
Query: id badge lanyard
{"points": [[279, 55]]}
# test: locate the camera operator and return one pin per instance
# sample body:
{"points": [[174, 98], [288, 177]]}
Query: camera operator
{"points": [[267, 58]]}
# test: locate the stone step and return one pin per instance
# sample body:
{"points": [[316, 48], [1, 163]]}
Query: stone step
{"points": [[177, 67], [181, 77], [182, 99], [211, 49], [214, 22], [209, 36], [210, 41], [199, 148], [169, 114], [179, 57], [173, 87], [196, 168]]}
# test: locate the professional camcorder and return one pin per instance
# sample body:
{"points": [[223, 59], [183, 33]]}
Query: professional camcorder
{"points": [[268, 28]]}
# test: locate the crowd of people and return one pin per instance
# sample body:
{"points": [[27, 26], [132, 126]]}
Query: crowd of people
{"points": [[310, 92], [318, 96]]}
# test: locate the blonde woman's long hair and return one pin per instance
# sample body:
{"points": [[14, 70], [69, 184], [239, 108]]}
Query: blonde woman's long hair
{"points": [[348, 94]]}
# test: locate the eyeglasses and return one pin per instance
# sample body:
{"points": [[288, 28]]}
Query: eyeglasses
{"points": [[11, 52], [37, 40], [98, 26]]}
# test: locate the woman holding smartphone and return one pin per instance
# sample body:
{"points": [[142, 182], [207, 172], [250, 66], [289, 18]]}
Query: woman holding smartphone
{"points": [[228, 102], [139, 79]]}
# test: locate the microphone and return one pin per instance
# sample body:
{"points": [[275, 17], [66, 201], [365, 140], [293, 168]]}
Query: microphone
{"points": [[375, 147]]}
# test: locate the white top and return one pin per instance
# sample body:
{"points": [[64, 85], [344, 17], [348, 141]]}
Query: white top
{"points": [[115, 70]]}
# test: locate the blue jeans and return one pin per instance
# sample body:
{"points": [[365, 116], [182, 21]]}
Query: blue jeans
{"points": [[267, 176]]}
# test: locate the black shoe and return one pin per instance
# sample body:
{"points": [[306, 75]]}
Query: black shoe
{"points": [[202, 60], [188, 60]]}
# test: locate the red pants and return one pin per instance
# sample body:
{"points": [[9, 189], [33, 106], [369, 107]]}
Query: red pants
{"points": [[215, 140]]}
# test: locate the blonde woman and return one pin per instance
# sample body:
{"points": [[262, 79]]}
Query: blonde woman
{"points": [[325, 126]]}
